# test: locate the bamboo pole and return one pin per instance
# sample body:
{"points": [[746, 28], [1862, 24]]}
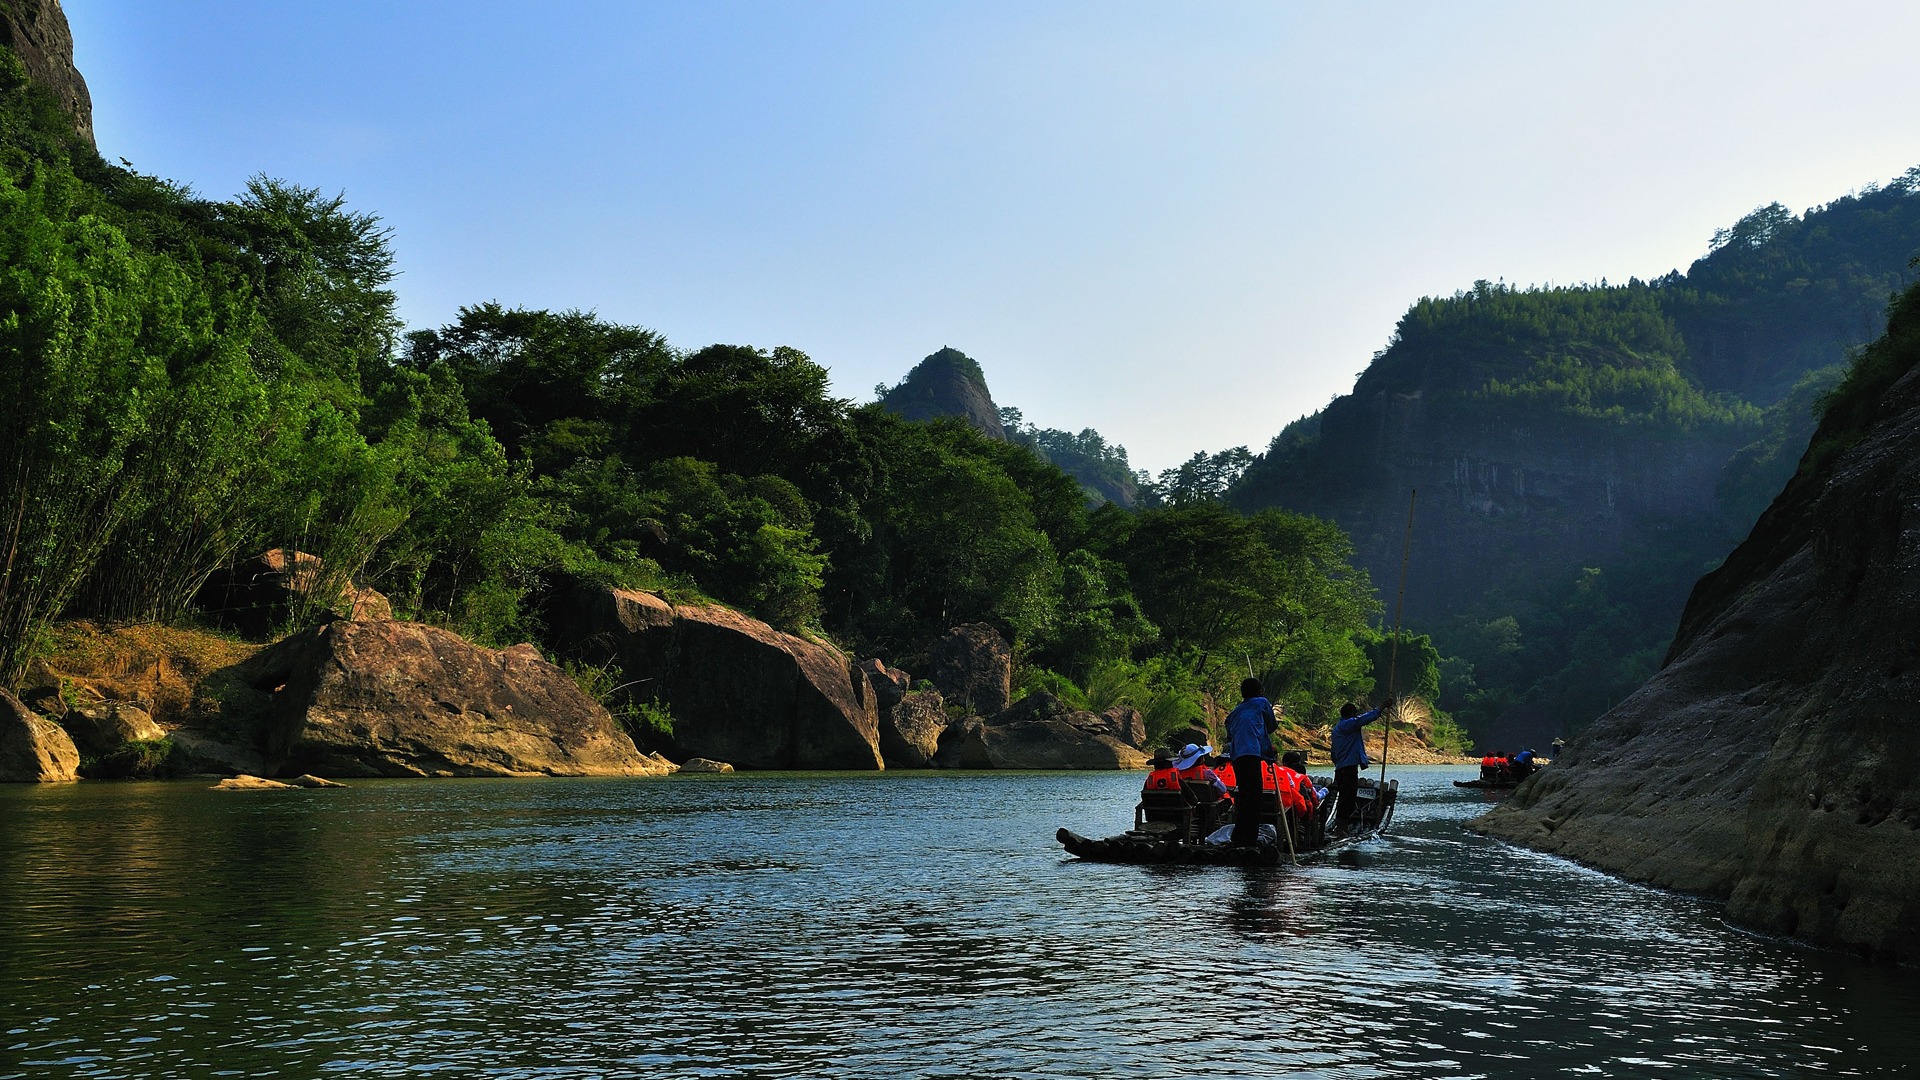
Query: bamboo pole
{"points": [[1393, 650]]}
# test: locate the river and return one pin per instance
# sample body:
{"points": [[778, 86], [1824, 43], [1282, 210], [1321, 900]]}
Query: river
{"points": [[858, 925]]}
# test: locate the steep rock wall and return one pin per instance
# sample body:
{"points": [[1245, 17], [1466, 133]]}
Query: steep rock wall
{"points": [[1503, 500], [1771, 762], [37, 32]]}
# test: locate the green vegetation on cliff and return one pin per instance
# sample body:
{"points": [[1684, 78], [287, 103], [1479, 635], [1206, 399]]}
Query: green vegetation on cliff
{"points": [[1725, 361]]}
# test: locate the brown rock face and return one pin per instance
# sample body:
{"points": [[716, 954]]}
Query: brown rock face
{"points": [[1051, 743], [910, 731], [1041, 732], [37, 32], [739, 690], [972, 666], [1771, 762], [889, 684], [110, 725], [911, 722], [33, 749], [403, 699]]}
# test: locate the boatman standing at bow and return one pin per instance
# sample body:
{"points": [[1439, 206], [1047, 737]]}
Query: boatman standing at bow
{"points": [[1349, 757], [1249, 740]]}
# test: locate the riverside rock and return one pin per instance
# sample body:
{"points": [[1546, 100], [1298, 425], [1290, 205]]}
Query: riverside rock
{"points": [[107, 726], [739, 690], [33, 749], [972, 667], [402, 699], [889, 684], [1052, 743], [244, 782], [910, 731], [1770, 763], [1038, 732]]}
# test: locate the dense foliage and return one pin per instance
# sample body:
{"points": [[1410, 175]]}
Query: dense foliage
{"points": [[195, 381]]}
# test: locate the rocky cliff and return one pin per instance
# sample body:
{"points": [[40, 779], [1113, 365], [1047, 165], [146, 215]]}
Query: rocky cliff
{"points": [[1770, 763], [1548, 429], [1507, 498], [385, 698], [739, 690], [947, 383], [37, 32]]}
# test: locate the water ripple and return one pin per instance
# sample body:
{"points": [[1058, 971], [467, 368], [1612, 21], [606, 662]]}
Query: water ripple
{"points": [[791, 925]]}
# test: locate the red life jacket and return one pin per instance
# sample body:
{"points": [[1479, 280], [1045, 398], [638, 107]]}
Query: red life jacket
{"points": [[1162, 780], [1296, 790], [1287, 782], [1225, 773]]}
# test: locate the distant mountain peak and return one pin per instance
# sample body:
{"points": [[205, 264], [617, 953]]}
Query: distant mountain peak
{"points": [[946, 383]]}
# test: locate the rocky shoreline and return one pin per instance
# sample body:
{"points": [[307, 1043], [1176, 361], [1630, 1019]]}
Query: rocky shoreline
{"points": [[372, 697], [1770, 763]]}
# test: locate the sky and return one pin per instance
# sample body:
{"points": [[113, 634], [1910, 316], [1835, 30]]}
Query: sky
{"points": [[1183, 224]]}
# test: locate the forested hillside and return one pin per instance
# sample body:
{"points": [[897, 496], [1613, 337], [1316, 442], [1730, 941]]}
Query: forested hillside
{"points": [[194, 381], [1583, 454]]}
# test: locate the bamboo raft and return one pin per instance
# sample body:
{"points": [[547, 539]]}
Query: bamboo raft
{"points": [[1172, 827]]}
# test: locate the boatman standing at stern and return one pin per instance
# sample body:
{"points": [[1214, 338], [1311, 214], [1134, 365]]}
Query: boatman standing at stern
{"points": [[1249, 741], [1349, 757]]}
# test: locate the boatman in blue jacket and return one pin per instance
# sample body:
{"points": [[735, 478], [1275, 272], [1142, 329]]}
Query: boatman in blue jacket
{"points": [[1349, 757], [1249, 741]]}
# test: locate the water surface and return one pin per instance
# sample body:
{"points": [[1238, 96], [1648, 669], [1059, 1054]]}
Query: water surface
{"points": [[858, 925]]}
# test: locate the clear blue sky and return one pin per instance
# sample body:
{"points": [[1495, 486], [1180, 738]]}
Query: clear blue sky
{"points": [[1182, 224]]}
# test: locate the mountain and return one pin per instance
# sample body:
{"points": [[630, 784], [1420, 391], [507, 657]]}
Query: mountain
{"points": [[950, 383], [1769, 764], [947, 383], [1598, 445]]}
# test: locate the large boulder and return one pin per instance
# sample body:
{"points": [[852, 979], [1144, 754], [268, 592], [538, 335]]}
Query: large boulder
{"points": [[33, 749], [403, 699], [1039, 732], [910, 731], [889, 684], [1052, 743], [972, 667], [911, 721], [1770, 763], [259, 595], [738, 690], [105, 727]]}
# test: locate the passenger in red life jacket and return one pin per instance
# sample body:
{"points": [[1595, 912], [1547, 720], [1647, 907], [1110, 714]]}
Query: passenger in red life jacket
{"points": [[1191, 765], [1164, 776], [1223, 768], [1293, 776], [1283, 780], [1490, 767]]}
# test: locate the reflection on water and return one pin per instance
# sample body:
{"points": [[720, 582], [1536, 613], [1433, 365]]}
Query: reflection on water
{"points": [[892, 925]]}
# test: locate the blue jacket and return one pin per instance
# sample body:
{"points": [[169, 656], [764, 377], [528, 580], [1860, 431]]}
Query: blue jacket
{"points": [[1349, 748], [1250, 727]]}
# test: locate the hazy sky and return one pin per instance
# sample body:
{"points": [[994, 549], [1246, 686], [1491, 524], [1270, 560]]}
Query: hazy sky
{"points": [[1182, 224]]}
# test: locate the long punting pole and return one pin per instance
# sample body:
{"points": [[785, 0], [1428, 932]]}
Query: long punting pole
{"points": [[1393, 651]]}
